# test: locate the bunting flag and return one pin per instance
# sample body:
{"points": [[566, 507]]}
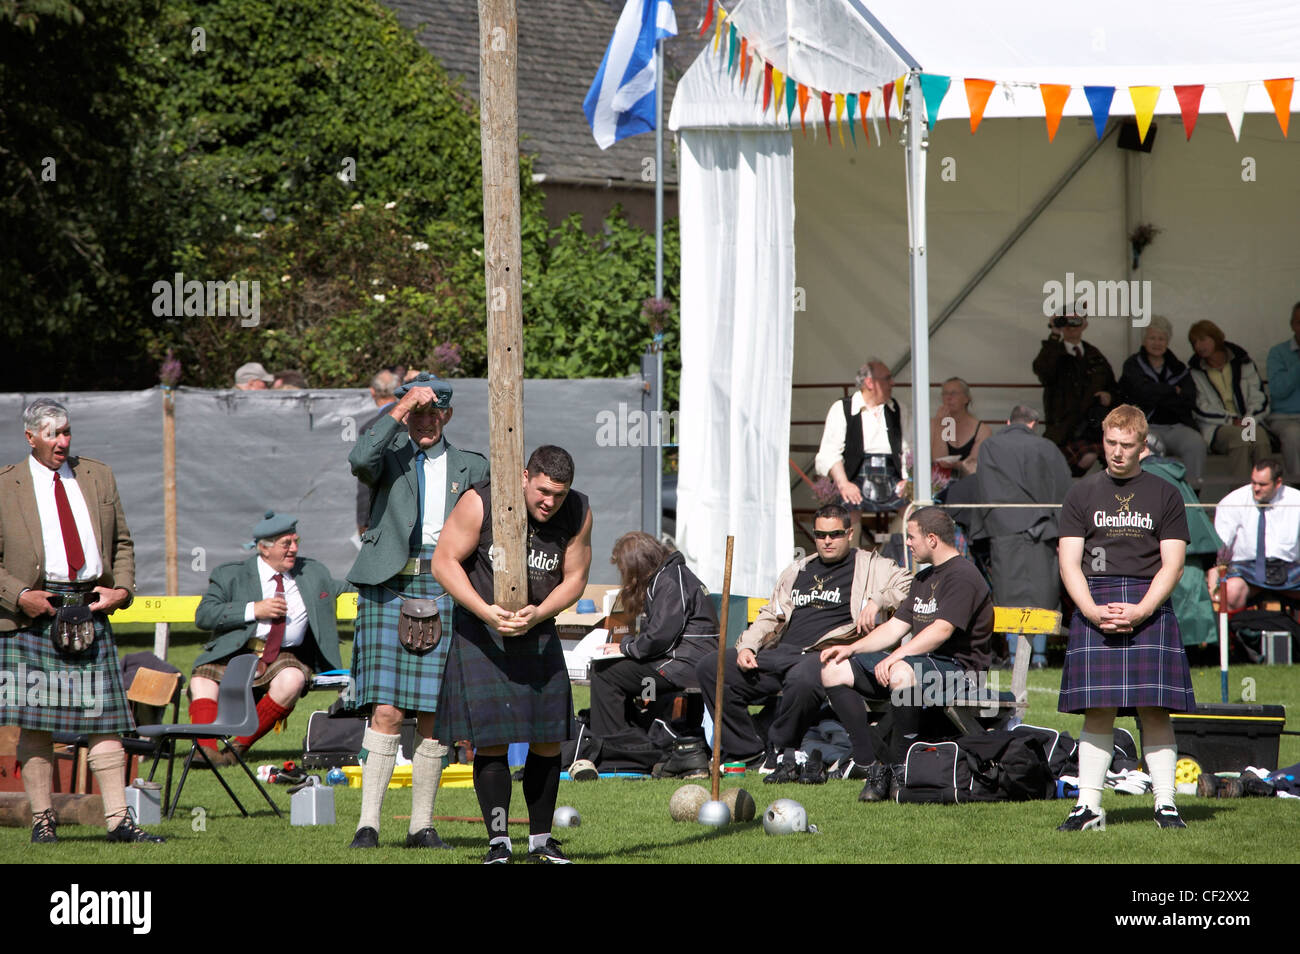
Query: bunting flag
{"points": [[1279, 91], [732, 43], [933, 89], [778, 90], [1189, 102], [1234, 104], [717, 28], [900, 85], [1099, 100], [767, 85], [708, 19], [977, 97], [826, 116], [789, 102], [864, 101], [803, 107], [1144, 107], [888, 98], [839, 117], [1054, 97], [851, 106], [744, 60]]}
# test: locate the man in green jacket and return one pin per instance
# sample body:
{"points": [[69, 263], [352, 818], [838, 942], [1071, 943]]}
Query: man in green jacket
{"points": [[278, 605], [416, 477]]}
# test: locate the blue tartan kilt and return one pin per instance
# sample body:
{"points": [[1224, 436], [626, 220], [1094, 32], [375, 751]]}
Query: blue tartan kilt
{"points": [[498, 690], [383, 671], [43, 690], [1146, 668]]}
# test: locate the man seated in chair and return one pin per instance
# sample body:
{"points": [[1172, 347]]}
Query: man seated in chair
{"points": [[836, 592], [277, 604], [949, 611], [1261, 522]]}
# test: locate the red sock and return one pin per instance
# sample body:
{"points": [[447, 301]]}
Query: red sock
{"points": [[203, 711], [269, 712]]}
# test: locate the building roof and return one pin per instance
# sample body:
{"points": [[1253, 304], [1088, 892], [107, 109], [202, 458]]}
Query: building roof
{"points": [[561, 44]]}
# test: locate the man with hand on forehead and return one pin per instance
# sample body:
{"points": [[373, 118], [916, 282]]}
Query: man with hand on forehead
{"points": [[416, 477], [1123, 542]]}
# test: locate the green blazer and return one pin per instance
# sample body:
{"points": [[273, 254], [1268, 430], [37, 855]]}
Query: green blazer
{"points": [[384, 459], [233, 586]]}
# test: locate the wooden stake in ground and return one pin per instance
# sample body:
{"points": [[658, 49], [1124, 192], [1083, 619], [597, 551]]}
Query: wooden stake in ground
{"points": [[715, 766], [162, 631], [499, 134]]}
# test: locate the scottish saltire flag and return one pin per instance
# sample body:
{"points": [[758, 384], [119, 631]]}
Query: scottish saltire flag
{"points": [[621, 101]]}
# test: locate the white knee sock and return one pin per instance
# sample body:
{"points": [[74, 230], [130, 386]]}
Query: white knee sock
{"points": [[377, 774], [1095, 751], [426, 771], [1161, 761]]}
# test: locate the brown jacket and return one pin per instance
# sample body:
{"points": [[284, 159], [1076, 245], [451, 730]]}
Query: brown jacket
{"points": [[874, 578], [22, 549]]}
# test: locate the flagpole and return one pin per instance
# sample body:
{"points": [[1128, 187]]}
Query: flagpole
{"points": [[659, 284]]}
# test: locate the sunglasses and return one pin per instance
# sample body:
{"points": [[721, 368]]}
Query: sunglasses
{"points": [[833, 534]]}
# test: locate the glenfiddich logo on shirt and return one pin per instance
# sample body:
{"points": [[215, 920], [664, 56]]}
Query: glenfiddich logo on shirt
{"points": [[926, 607], [542, 561], [818, 594], [1123, 516]]}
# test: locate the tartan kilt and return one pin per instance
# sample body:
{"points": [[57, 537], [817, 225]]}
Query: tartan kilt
{"points": [[498, 691], [81, 694], [1147, 667], [383, 671]]}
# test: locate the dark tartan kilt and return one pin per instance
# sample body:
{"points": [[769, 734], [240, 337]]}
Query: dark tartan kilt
{"points": [[87, 688], [382, 670], [503, 690], [287, 659], [1146, 668]]}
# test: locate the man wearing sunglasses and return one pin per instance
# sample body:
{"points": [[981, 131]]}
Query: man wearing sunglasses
{"points": [[835, 594]]}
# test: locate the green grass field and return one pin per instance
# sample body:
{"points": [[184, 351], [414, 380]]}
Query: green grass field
{"points": [[627, 820]]}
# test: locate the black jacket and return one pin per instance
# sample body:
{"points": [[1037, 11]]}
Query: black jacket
{"points": [[1167, 396], [678, 614], [1069, 386]]}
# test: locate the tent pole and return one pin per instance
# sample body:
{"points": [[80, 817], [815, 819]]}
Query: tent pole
{"points": [[656, 527], [918, 292]]}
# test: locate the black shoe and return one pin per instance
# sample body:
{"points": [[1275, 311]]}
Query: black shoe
{"points": [[787, 770], [876, 789], [43, 828], [1167, 817], [128, 831], [814, 770], [426, 838], [498, 854], [896, 775], [548, 854], [366, 837], [688, 757], [1084, 818], [852, 769]]}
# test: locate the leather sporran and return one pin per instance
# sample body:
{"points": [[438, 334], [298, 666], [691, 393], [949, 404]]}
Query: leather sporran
{"points": [[419, 628], [73, 630]]}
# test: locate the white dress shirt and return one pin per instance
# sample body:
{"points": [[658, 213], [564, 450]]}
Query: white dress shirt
{"points": [[1236, 519], [56, 557], [295, 622], [875, 434], [435, 492]]}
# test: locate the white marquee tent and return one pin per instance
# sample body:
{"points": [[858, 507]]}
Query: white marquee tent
{"points": [[1227, 209]]}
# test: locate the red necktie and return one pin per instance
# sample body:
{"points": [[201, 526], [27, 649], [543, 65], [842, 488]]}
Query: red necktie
{"points": [[68, 525], [276, 636]]}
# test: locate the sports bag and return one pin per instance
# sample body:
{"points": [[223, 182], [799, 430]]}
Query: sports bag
{"points": [[989, 767]]}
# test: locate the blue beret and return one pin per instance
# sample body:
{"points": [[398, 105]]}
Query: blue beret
{"points": [[274, 525], [441, 388]]}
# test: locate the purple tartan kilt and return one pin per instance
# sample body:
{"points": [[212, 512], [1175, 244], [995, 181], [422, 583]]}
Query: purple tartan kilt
{"points": [[1146, 668], [43, 690], [497, 691]]}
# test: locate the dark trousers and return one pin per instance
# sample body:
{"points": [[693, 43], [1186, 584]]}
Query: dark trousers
{"points": [[796, 675], [616, 687]]}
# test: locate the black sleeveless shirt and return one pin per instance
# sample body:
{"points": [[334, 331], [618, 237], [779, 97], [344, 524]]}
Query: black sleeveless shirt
{"points": [[546, 545]]}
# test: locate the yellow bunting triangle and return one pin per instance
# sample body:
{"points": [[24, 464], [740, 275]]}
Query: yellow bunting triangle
{"points": [[1144, 107], [839, 117]]}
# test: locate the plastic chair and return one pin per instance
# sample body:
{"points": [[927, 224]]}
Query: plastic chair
{"points": [[236, 716]]}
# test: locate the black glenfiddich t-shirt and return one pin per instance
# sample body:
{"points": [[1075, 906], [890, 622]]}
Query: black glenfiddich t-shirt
{"points": [[819, 601], [953, 591], [1123, 521]]}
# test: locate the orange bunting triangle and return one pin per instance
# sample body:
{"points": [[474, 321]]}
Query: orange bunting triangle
{"points": [[1189, 102], [1279, 91], [889, 98], [864, 100], [1054, 97], [826, 116], [744, 60], [803, 106], [977, 97], [839, 117], [1144, 107]]}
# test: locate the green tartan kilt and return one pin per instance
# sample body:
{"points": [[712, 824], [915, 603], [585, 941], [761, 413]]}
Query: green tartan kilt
{"points": [[43, 690], [384, 672]]}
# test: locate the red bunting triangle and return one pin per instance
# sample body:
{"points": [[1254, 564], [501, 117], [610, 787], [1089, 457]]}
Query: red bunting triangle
{"points": [[977, 97], [889, 96], [826, 115], [803, 106], [767, 84], [1279, 91], [1189, 102], [708, 19]]}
